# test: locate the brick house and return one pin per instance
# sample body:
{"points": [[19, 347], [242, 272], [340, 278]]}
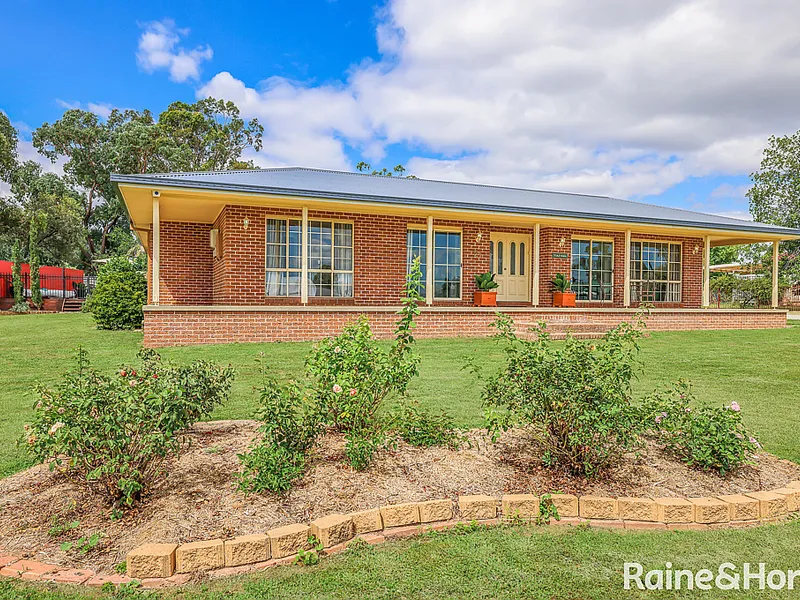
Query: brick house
{"points": [[294, 253]]}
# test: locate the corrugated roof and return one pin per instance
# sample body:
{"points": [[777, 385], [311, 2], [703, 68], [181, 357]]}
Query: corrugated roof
{"points": [[339, 185]]}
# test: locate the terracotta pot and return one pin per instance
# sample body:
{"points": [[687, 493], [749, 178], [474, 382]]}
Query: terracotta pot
{"points": [[485, 298], [564, 299]]}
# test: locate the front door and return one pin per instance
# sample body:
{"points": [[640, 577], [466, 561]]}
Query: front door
{"points": [[511, 264]]}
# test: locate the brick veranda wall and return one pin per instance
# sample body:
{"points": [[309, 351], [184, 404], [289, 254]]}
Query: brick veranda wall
{"points": [[190, 275], [165, 327]]}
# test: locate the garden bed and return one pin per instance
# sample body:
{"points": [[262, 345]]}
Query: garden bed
{"points": [[199, 499]]}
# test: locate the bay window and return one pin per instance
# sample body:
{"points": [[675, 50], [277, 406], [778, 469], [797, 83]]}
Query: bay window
{"points": [[655, 271], [592, 270]]}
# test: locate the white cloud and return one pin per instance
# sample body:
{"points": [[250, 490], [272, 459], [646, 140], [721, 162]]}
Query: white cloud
{"points": [[159, 48], [626, 98], [102, 109]]}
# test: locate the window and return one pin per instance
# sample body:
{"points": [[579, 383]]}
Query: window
{"points": [[330, 259], [417, 244], [592, 270], [284, 239], [655, 272], [447, 264]]}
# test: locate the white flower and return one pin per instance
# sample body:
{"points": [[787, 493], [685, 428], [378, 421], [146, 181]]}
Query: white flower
{"points": [[337, 388], [337, 349], [55, 427]]}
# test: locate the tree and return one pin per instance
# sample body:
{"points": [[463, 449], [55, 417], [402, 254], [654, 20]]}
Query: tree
{"points": [[34, 263], [775, 195], [725, 255], [8, 148], [208, 135], [397, 171], [16, 275]]}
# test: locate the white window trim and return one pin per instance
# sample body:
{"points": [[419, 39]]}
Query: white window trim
{"points": [[334, 270], [430, 243], [668, 280], [613, 266], [304, 270], [287, 270]]}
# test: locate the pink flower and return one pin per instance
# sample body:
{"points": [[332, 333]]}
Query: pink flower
{"points": [[688, 410], [353, 391], [658, 419], [61, 410], [337, 388], [133, 382], [755, 441], [735, 407]]}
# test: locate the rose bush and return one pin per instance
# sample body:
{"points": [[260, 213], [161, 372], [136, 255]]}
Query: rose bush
{"points": [[113, 433]]}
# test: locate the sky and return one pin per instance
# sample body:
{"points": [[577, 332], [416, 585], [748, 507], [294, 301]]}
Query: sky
{"points": [[668, 102]]}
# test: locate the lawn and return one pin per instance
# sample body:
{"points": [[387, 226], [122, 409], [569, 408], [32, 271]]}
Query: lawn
{"points": [[758, 369]]}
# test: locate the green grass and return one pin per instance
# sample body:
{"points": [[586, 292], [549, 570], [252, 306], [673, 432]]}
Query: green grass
{"points": [[520, 562], [758, 369]]}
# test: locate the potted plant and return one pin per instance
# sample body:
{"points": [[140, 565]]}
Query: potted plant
{"points": [[486, 294], [563, 296]]}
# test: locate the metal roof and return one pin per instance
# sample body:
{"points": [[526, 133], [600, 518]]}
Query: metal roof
{"points": [[339, 185]]}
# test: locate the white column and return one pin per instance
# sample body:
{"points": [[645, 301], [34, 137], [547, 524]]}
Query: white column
{"points": [[707, 272], [626, 292], [429, 263], [304, 258], [536, 250], [156, 251], [775, 298]]}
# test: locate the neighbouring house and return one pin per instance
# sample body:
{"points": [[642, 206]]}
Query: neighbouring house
{"points": [[58, 284], [294, 253]]}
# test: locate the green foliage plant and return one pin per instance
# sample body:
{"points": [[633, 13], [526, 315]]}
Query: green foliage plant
{"points": [[16, 275], [35, 263], [486, 282], [113, 434], [119, 297], [421, 427], [709, 438], [561, 283], [573, 398]]}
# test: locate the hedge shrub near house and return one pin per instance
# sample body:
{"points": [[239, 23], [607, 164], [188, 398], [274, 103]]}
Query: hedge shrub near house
{"points": [[119, 296]]}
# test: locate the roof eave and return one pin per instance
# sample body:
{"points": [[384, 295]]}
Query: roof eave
{"points": [[782, 232]]}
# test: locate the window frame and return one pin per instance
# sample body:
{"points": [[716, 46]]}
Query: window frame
{"points": [[668, 281], [591, 239], [333, 270], [423, 229], [460, 232], [287, 219]]}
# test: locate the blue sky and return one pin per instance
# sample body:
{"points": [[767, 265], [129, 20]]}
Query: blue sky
{"points": [[667, 102]]}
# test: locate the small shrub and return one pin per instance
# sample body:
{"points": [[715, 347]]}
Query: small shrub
{"points": [[21, 308], [119, 295], [711, 438], [267, 467], [83, 545], [575, 397], [59, 528], [354, 375], [290, 428], [361, 446], [419, 426], [113, 434]]}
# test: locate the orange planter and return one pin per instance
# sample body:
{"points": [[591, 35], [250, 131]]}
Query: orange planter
{"points": [[485, 298], [564, 299]]}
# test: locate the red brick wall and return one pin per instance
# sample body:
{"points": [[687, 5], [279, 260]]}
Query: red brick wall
{"points": [[165, 327], [236, 275], [186, 268]]}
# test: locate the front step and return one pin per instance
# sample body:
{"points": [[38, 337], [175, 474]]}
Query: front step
{"points": [[73, 305]]}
